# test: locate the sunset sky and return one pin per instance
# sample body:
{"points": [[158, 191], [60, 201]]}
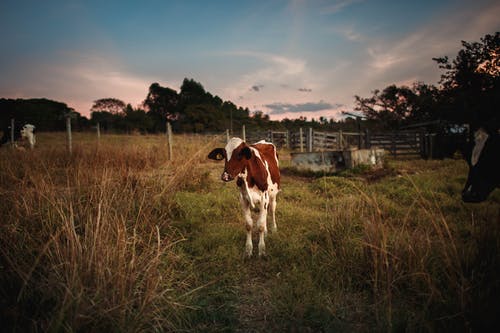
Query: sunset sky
{"points": [[285, 58]]}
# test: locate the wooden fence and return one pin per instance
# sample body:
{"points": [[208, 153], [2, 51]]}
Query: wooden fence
{"points": [[401, 143], [398, 143]]}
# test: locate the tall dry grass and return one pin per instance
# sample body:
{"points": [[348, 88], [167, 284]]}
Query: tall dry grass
{"points": [[116, 237], [418, 262], [413, 258], [86, 240]]}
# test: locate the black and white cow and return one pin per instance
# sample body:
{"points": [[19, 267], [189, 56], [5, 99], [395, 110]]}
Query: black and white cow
{"points": [[27, 133], [484, 167]]}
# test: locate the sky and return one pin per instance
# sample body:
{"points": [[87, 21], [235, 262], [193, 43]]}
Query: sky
{"points": [[285, 58]]}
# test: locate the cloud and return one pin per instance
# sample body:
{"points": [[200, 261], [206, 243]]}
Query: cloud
{"points": [[92, 77], [78, 79], [349, 33], [288, 65], [383, 60], [272, 71], [338, 6], [257, 87], [279, 108], [305, 90], [435, 39]]}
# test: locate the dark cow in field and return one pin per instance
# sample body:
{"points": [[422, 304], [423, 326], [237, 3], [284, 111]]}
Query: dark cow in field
{"points": [[484, 166], [27, 133], [256, 170]]}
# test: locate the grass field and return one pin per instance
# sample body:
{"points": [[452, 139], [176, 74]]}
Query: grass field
{"points": [[116, 237]]}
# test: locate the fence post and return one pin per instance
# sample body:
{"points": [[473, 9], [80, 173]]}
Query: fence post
{"points": [[341, 139], [393, 144], [368, 144], [169, 141], [68, 131], [231, 121], [432, 140], [311, 139], [422, 143], [227, 135], [243, 133], [12, 124], [98, 126], [301, 140]]}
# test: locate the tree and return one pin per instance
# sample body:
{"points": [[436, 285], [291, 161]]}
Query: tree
{"points": [[390, 106], [193, 92], [107, 120], [396, 106], [200, 117], [469, 92], [195, 109], [162, 101], [45, 114], [111, 105], [471, 83], [137, 119], [426, 103]]}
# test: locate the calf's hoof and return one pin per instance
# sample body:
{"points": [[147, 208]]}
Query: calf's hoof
{"points": [[248, 251]]}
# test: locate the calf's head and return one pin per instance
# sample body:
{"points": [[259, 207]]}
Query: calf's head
{"points": [[236, 155], [483, 162]]}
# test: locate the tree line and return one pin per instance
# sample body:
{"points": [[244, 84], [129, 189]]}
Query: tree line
{"points": [[468, 93], [46, 114]]}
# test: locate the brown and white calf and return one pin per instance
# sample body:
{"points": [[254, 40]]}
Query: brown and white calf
{"points": [[256, 170]]}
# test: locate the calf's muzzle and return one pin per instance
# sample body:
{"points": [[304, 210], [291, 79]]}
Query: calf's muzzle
{"points": [[226, 176]]}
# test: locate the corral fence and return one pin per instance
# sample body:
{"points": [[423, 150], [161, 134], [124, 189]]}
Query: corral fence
{"points": [[309, 140], [401, 143], [406, 143]]}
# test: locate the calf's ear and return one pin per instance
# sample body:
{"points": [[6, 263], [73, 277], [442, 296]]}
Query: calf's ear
{"points": [[217, 154]]}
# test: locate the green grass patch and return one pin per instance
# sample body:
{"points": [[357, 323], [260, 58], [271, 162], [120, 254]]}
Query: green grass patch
{"points": [[117, 237]]}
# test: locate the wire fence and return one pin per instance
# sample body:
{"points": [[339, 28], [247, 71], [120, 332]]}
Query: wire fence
{"points": [[396, 143]]}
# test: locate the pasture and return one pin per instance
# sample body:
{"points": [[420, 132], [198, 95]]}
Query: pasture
{"points": [[116, 237]]}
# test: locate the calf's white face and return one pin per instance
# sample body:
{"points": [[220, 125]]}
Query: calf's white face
{"points": [[236, 155], [231, 146], [235, 163]]}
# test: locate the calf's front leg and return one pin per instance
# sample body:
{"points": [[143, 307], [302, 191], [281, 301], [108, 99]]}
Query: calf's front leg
{"points": [[262, 223], [272, 211], [247, 213]]}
